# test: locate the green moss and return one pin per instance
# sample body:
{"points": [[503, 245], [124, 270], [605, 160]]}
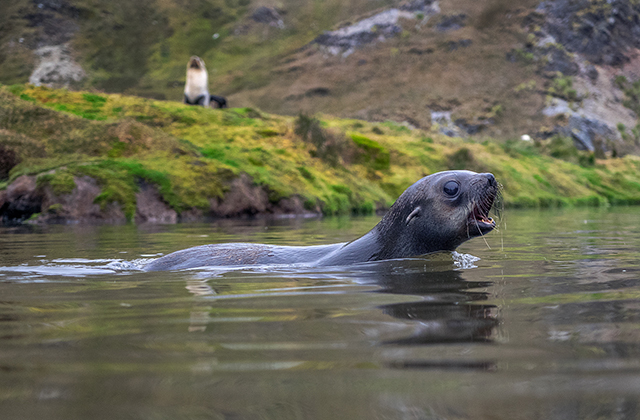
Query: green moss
{"points": [[374, 154], [367, 207], [542, 181], [16, 89], [54, 208], [394, 126], [117, 150], [523, 56], [25, 97], [267, 132], [463, 159], [117, 185], [306, 174], [562, 87], [342, 189], [327, 145], [213, 153], [33, 218], [60, 181], [631, 92], [94, 99]]}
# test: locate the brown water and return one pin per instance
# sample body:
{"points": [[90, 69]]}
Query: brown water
{"points": [[544, 324]]}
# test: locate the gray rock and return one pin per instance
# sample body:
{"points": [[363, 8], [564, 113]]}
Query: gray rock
{"points": [[472, 128], [451, 23], [268, 16], [603, 33], [591, 72], [417, 5], [20, 200], [590, 134], [377, 28], [79, 205], [445, 124], [56, 67], [558, 60], [557, 107], [454, 45], [150, 208]]}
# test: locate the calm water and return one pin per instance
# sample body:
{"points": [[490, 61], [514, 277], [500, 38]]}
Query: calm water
{"points": [[544, 324]]}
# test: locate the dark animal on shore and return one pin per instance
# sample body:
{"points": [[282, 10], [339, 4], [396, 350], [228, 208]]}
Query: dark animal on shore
{"points": [[218, 101]]}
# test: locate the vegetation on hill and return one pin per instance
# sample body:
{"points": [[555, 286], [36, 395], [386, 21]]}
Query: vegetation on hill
{"points": [[498, 69], [192, 155]]}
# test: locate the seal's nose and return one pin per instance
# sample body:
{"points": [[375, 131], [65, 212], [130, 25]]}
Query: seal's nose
{"points": [[491, 180]]}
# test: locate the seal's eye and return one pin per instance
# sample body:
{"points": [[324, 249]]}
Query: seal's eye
{"points": [[451, 188]]}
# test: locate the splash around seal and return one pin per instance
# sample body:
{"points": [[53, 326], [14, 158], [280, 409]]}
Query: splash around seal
{"points": [[437, 213]]}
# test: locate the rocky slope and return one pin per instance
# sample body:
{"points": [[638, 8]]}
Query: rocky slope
{"points": [[498, 69]]}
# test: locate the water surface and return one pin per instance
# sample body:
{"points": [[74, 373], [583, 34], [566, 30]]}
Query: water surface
{"points": [[540, 321]]}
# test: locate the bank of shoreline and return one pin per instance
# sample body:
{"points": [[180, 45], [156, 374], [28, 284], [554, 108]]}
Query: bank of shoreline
{"points": [[80, 156]]}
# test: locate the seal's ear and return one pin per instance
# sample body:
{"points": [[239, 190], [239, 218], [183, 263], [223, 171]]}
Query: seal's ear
{"points": [[415, 213]]}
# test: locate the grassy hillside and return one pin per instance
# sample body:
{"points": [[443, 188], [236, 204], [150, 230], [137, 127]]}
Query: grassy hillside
{"points": [[335, 165], [493, 66], [141, 48]]}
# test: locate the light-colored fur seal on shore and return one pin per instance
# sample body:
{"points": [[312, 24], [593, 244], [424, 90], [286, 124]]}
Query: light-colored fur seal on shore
{"points": [[196, 90]]}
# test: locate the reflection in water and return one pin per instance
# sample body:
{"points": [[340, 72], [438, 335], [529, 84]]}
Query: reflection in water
{"points": [[443, 310]]}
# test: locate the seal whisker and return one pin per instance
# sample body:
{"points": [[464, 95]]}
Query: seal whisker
{"points": [[482, 235]]}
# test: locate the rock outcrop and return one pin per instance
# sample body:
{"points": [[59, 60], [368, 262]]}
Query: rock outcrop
{"points": [[587, 44], [20, 200], [376, 28], [56, 67], [604, 32], [56, 22], [269, 16], [25, 200]]}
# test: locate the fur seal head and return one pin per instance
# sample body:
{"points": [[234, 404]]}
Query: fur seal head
{"points": [[438, 213], [196, 63]]}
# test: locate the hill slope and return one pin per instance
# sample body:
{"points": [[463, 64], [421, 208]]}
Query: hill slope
{"points": [[495, 69]]}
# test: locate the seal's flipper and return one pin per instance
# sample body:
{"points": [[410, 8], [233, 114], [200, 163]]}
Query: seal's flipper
{"points": [[221, 101]]}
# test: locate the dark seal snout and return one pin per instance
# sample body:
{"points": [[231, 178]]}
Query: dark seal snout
{"points": [[482, 196], [491, 180]]}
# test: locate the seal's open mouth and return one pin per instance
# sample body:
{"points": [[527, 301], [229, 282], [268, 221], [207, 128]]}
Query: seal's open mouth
{"points": [[194, 63], [479, 216]]}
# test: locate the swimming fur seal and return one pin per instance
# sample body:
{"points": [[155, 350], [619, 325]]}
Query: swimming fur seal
{"points": [[196, 89], [437, 213]]}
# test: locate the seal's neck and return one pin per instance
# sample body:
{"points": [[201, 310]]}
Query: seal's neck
{"points": [[362, 249]]}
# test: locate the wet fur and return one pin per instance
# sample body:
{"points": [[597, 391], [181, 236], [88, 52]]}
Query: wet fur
{"points": [[423, 220]]}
